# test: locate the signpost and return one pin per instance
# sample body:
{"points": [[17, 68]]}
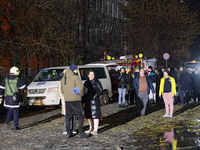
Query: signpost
{"points": [[166, 57]]}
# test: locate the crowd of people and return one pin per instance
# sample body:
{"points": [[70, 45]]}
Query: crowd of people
{"points": [[151, 86], [144, 86]]}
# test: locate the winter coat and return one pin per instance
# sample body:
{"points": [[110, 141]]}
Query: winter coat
{"points": [[91, 99], [69, 81], [196, 82], [130, 82], [185, 80], [8, 100], [152, 76], [149, 84], [123, 80], [173, 85]]}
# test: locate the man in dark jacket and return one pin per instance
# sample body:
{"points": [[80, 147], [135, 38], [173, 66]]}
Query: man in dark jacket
{"points": [[16, 85], [153, 76], [142, 84], [185, 83], [196, 85]]}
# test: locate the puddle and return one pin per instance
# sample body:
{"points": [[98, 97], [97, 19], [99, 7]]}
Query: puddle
{"points": [[181, 136], [176, 139]]}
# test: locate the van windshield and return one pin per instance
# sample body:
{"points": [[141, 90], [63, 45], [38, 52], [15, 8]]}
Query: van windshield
{"points": [[49, 75], [99, 73]]}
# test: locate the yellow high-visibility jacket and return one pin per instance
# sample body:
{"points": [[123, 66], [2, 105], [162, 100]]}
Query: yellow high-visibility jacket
{"points": [[162, 82]]}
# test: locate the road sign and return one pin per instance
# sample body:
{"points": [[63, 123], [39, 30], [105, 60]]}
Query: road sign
{"points": [[166, 56]]}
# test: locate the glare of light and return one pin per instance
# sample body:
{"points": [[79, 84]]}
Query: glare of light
{"points": [[194, 61]]}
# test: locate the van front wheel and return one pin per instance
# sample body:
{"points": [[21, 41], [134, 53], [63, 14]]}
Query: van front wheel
{"points": [[104, 98]]}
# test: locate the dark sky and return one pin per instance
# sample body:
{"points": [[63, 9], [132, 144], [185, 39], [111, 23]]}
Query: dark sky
{"points": [[194, 5]]}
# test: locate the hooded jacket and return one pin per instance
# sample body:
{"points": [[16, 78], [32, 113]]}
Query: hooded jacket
{"points": [[152, 76], [68, 83]]}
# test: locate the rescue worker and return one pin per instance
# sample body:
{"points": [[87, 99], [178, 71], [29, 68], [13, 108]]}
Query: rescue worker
{"points": [[16, 85]]}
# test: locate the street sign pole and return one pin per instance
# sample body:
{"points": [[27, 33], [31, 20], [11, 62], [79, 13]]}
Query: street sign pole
{"points": [[166, 57]]}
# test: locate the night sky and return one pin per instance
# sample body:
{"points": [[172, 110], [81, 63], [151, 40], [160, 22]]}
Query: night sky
{"points": [[194, 5]]}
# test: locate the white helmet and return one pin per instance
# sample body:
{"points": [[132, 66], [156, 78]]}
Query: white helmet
{"points": [[14, 70]]}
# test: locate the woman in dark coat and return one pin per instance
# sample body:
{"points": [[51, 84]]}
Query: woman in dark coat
{"points": [[92, 102]]}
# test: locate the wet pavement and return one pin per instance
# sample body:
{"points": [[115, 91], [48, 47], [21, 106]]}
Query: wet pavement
{"points": [[119, 129]]}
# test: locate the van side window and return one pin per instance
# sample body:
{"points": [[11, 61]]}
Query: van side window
{"points": [[99, 72]]}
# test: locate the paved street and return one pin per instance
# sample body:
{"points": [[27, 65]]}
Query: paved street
{"points": [[119, 129]]}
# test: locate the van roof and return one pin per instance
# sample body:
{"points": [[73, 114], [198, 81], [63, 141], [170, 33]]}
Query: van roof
{"points": [[84, 66], [103, 63], [60, 67]]}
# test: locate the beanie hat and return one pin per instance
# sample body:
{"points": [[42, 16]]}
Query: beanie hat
{"points": [[73, 67], [150, 67]]}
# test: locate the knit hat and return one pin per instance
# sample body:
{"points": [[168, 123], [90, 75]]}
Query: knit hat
{"points": [[150, 67], [73, 67]]}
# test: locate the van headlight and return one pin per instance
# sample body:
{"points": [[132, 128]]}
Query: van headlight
{"points": [[55, 89]]}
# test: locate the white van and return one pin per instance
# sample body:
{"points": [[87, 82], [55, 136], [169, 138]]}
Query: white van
{"points": [[43, 90]]}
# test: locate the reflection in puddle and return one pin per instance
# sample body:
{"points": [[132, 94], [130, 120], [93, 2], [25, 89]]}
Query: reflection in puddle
{"points": [[178, 140]]}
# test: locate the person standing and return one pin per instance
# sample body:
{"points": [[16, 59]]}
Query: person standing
{"points": [[142, 84], [185, 83], [152, 76], [179, 86], [16, 84], [174, 74], [92, 103], [123, 81], [196, 85], [169, 71], [130, 89], [73, 105], [168, 90], [63, 112]]}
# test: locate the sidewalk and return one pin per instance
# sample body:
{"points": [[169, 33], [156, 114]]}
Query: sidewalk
{"points": [[119, 129]]}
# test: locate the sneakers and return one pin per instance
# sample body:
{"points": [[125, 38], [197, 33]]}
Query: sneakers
{"points": [[74, 132], [89, 131], [94, 133], [83, 135], [166, 115], [65, 132]]}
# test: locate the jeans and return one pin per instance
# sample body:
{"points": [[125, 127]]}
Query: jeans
{"points": [[13, 112], [184, 92], [122, 93], [74, 107], [151, 95]]}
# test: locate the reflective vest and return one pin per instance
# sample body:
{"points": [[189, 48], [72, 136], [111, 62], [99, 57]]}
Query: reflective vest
{"points": [[13, 85]]}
